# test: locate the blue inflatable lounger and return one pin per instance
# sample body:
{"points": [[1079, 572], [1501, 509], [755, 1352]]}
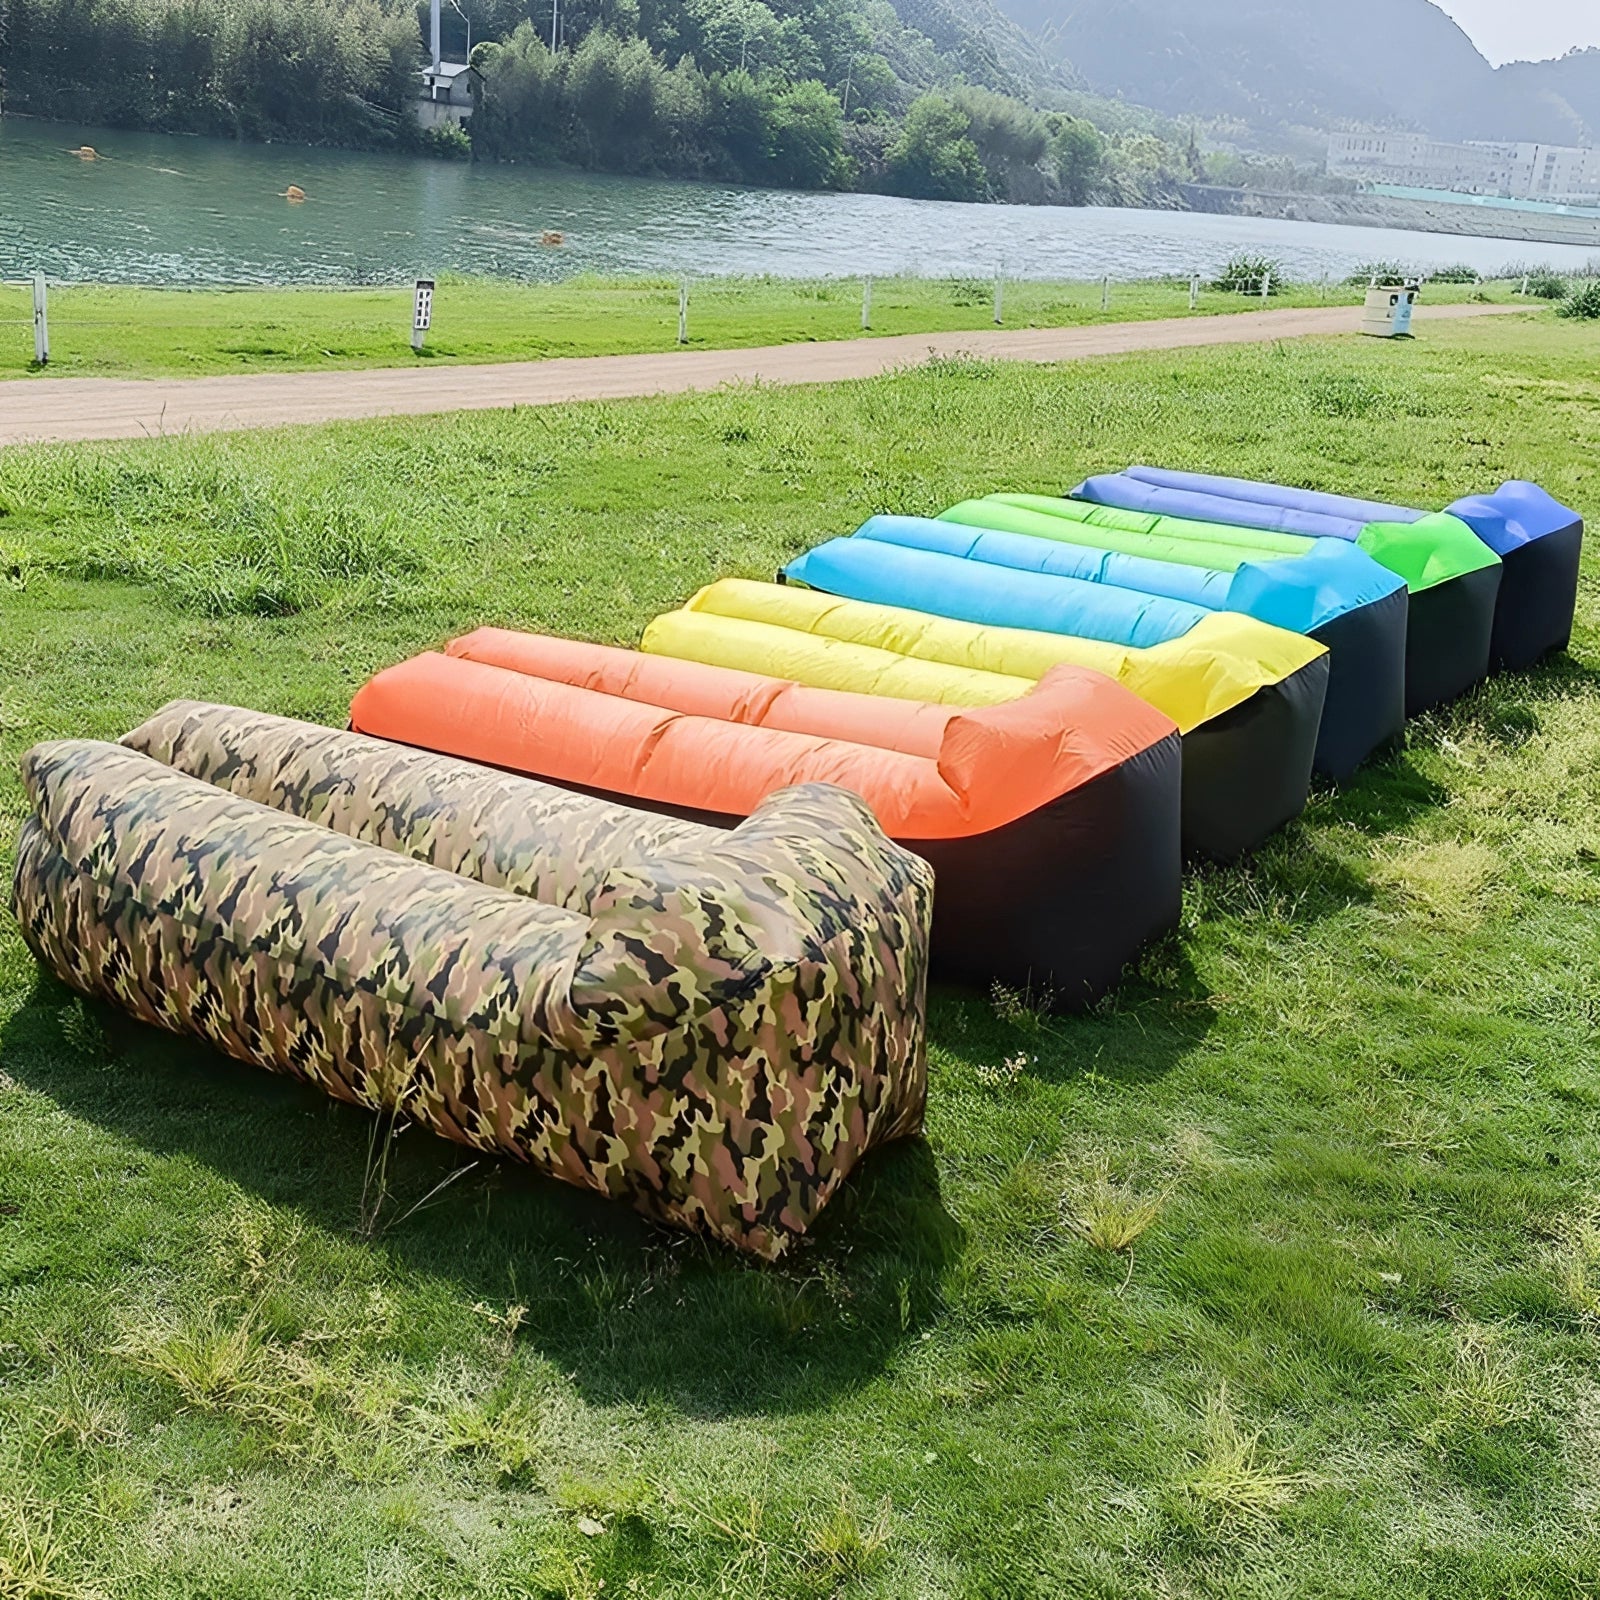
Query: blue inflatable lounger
{"points": [[1538, 540], [1332, 593], [1246, 760]]}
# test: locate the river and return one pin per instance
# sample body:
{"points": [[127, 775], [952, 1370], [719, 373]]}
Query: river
{"points": [[166, 209]]}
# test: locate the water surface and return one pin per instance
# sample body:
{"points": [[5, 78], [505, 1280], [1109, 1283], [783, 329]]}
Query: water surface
{"points": [[167, 209]]}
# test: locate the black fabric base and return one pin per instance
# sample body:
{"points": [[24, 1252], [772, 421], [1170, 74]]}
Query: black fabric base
{"points": [[1538, 594], [1447, 638], [1248, 771], [1366, 704], [1056, 903]]}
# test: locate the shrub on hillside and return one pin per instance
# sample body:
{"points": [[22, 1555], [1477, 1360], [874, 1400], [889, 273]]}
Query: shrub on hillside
{"points": [[1245, 270], [935, 158], [1582, 302], [1385, 273], [1547, 285]]}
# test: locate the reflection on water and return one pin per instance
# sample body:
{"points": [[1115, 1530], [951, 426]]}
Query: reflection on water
{"points": [[167, 209]]}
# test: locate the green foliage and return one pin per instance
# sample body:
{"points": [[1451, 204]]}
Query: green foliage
{"points": [[1545, 284], [614, 104], [934, 157], [1078, 154], [1458, 272], [447, 140], [1583, 302], [1388, 274], [320, 71], [1245, 272], [1010, 139], [914, 99]]}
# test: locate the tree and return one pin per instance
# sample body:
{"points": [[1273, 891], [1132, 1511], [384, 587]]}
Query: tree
{"points": [[1078, 154], [1009, 137], [806, 138], [524, 112], [933, 158]]}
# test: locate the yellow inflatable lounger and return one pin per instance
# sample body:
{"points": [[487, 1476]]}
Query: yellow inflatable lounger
{"points": [[1247, 696]]}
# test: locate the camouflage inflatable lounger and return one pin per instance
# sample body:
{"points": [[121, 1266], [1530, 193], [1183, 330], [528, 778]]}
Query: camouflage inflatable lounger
{"points": [[712, 1026]]}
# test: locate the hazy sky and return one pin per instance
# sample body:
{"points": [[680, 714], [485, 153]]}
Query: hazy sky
{"points": [[1526, 30]]}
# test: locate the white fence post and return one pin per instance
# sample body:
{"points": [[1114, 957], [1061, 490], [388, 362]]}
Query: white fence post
{"points": [[1524, 283], [1266, 285], [866, 302], [1194, 290], [41, 322], [1105, 292], [999, 280], [683, 311], [421, 312]]}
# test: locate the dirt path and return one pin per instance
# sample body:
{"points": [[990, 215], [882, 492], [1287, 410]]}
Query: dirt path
{"points": [[34, 410]]}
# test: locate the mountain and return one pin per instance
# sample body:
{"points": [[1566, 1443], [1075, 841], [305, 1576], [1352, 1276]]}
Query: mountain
{"points": [[1274, 64], [975, 40]]}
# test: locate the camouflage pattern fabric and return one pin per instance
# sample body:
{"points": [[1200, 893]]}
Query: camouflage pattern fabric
{"points": [[717, 1037], [506, 831]]}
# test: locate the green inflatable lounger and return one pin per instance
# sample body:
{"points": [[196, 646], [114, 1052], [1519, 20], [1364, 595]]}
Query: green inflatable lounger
{"points": [[1452, 577], [1247, 697], [1336, 595], [712, 1026]]}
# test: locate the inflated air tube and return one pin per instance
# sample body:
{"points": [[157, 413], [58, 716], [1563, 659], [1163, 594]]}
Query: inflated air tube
{"points": [[1051, 820], [1247, 697], [1334, 593], [1538, 540], [1540, 545], [1452, 578], [714, 1032]]}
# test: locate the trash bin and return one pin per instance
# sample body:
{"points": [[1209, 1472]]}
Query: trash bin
{"points": [[1388, 312]]}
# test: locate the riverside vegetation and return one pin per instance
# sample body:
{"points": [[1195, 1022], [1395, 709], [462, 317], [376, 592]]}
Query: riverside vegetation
{"points": [[126, 332], [1279, 1273], [937, 100]]}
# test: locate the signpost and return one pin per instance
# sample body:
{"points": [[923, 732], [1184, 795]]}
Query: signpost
{"points": [[421, 312], [41, 322]]}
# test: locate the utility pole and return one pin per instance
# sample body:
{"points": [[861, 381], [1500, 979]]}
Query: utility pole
{"points": [[555, 11]]}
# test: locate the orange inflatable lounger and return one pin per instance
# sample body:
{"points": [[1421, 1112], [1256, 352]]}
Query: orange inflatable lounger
{"points": [[1051, 820]]}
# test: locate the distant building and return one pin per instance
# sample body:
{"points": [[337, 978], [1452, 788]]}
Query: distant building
{"points": [[450, 91], [1562, 174]]}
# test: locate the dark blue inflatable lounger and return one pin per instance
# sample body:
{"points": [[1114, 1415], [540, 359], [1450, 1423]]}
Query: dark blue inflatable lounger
{"points": [[1539, 542]]}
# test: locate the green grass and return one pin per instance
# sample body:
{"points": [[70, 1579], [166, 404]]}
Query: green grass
{"points": [[121, 332], [1276, 1276]]}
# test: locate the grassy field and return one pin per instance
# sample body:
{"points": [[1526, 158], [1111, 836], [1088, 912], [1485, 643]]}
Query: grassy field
{"points": [[118, 332], [1279, 1275]]}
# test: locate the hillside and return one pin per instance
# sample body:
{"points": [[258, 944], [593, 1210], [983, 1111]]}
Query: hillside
{"points": [[1303, 63]]}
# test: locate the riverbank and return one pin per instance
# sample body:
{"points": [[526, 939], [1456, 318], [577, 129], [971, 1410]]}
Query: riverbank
{"points": [[1351, 1103], [108, 408], [1384, 211], [136, 333]]}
